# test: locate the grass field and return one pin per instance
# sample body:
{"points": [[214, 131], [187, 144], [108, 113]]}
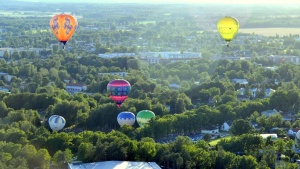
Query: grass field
{"points": [[271, 31], [215, 142]]}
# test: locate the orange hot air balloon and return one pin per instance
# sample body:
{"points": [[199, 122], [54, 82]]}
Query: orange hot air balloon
{"points": [[63, 27]]}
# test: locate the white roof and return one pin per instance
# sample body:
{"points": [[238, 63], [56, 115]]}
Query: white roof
{"points": [[273, 136], [115, 165]]}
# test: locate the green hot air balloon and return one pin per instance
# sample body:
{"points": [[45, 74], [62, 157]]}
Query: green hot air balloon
{"points": [[144, 116]]}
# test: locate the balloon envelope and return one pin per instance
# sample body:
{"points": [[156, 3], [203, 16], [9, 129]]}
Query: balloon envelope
{"points": [[228, 27], [118, 90], [143, 117], [56, 122], [63, 26], [298, 135], [126, 118]]}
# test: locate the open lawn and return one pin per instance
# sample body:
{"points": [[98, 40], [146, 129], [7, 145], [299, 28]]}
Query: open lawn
{"points": [[215, 142], [271, 31]]}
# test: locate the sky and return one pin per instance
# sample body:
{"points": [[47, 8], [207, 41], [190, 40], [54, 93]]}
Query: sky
{"points": [[181, 1]]}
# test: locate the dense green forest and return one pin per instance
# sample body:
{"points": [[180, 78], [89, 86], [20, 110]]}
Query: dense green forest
{"points": [[37, 89]]}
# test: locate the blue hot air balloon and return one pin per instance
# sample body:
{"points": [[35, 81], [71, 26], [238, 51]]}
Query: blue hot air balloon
{"points": [[56, 122], [126, 118]]}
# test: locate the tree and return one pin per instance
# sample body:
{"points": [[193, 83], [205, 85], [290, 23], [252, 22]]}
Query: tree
{"points": [[240, 127], [133, 64], [73, 111], [146, 149], [280, 145], [55, 48], [296, 124], [62, 158], [16, 55], [207, 137], [6, 55], [42, 159], [269, 156], [247, 162], [86, 152]]}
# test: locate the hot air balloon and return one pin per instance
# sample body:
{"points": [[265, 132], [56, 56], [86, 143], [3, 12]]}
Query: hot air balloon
{"points": [[56, 122], [143, 117], [126, 118], [297, 139], [63, 27], [118, 90], [228, 27]]}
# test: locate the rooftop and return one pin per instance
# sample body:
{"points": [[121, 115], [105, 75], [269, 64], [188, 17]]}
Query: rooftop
{"points": [[115, 165]]}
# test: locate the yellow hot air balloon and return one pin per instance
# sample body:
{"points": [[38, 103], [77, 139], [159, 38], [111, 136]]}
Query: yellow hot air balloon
{"points": [[63, 27], [228, 27]]}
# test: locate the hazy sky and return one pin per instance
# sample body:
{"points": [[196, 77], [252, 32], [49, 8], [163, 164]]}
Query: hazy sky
{"points": [[181, 1]]}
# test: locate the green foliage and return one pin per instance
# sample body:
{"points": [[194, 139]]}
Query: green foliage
{"points": [[40, 79], [29, 101], [240, 127]]}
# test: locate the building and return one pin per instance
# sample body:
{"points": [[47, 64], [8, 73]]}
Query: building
{"points": [[268, 92], [268, 113], [242, 97], [3, 89], [211, 130], [6, 76], [121, 74], [240, 81], [76, 87], [292, 132], [226, 125], [167, 57], [174, 86], [273, 136], [114, 165], [115, 55]]}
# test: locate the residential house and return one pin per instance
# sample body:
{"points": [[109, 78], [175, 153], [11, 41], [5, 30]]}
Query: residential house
{"points": [[269, 113], [3, 89], [242, 97], [292, 132], [255, 125], [273, 136], [226, 126], [121, 74], [6, 76], [254, 91], [211, 101], [240, 81], [269, 92], [210, 130], [174, 86], [76, 87]]}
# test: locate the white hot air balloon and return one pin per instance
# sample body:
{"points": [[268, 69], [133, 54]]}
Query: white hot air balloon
{"points": [[297, 139], [56, 122], [126, 118]]}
